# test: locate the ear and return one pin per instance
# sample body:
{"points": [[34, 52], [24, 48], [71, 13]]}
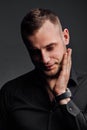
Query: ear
{"points": [[66, 36]]}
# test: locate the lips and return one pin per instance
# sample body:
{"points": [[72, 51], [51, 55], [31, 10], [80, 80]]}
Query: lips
{"points": [[49, 67], [45, 67]]}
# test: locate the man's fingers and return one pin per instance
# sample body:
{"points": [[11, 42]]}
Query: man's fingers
{"points": [[69, 53], [66, 64]]}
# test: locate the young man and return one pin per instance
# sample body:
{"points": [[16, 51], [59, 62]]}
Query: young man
{"points": [[52, 96]]}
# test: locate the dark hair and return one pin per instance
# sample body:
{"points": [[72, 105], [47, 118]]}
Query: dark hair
{"points": [[35, 19]]}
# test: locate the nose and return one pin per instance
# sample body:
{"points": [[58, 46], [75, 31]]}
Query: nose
{"points": [[45, 58]]}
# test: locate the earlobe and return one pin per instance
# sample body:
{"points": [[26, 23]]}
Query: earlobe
{"points": [[66, 36]]}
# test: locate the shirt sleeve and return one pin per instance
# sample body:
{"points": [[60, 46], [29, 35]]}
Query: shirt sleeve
{"points": [[74, 115]]}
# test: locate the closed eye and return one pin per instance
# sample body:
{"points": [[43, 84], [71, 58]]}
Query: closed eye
{"points": [[50, 47]]}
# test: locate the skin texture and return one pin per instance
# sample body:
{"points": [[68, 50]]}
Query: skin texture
{"points": [[49, 53]]}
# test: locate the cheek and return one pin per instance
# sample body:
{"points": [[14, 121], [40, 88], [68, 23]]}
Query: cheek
{"points": [[58, 55]]}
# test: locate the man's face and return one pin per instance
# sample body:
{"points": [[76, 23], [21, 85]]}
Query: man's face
{"points": [[48, 46]]}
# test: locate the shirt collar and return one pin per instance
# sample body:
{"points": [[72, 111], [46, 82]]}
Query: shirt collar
{"points": [[72, 80]]}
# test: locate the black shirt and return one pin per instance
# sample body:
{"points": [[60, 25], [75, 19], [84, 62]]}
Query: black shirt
{"points": [[25, 105]]}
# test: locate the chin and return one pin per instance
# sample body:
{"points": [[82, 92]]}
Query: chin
{"points": [[52, 73]]}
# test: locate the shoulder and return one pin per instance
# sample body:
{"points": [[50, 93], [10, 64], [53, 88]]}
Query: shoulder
{"points": [[18, 82]]}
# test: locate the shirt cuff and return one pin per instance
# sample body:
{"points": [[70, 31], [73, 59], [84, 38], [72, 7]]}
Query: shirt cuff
{"points": [[71, 108]]}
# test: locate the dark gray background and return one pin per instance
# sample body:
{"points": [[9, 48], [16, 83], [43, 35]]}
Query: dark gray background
{"points": [[14, 58]]}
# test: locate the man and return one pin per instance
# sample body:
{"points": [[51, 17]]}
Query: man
{"points": [[52, 96]]}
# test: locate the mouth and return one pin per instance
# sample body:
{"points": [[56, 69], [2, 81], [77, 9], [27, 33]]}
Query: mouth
{"points": [[49, 67]]}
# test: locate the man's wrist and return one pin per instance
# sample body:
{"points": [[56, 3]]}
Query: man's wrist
{"points": [[63, 98], [64, 101]]}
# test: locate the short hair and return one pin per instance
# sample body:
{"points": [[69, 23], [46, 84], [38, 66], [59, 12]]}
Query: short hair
{"points": [[34, 20]]}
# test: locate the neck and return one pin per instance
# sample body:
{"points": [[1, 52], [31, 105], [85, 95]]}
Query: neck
{"points": [[48, 80], [51, 82]]}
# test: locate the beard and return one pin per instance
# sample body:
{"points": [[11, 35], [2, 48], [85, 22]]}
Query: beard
{"points": [[53, 73], [49, 73]]}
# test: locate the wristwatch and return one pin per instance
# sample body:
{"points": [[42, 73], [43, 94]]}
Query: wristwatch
{"points": [[64, 95]]}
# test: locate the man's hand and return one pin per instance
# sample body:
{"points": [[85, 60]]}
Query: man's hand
{"points": [[63, 78]]}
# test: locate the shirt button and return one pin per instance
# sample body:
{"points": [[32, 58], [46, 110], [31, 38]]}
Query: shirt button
{"points": [[70, 109]]}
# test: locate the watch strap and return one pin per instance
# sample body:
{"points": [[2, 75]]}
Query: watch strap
{"points": [[64, 95]]}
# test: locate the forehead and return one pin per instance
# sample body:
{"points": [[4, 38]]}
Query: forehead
{"points": [[48, 33]]}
